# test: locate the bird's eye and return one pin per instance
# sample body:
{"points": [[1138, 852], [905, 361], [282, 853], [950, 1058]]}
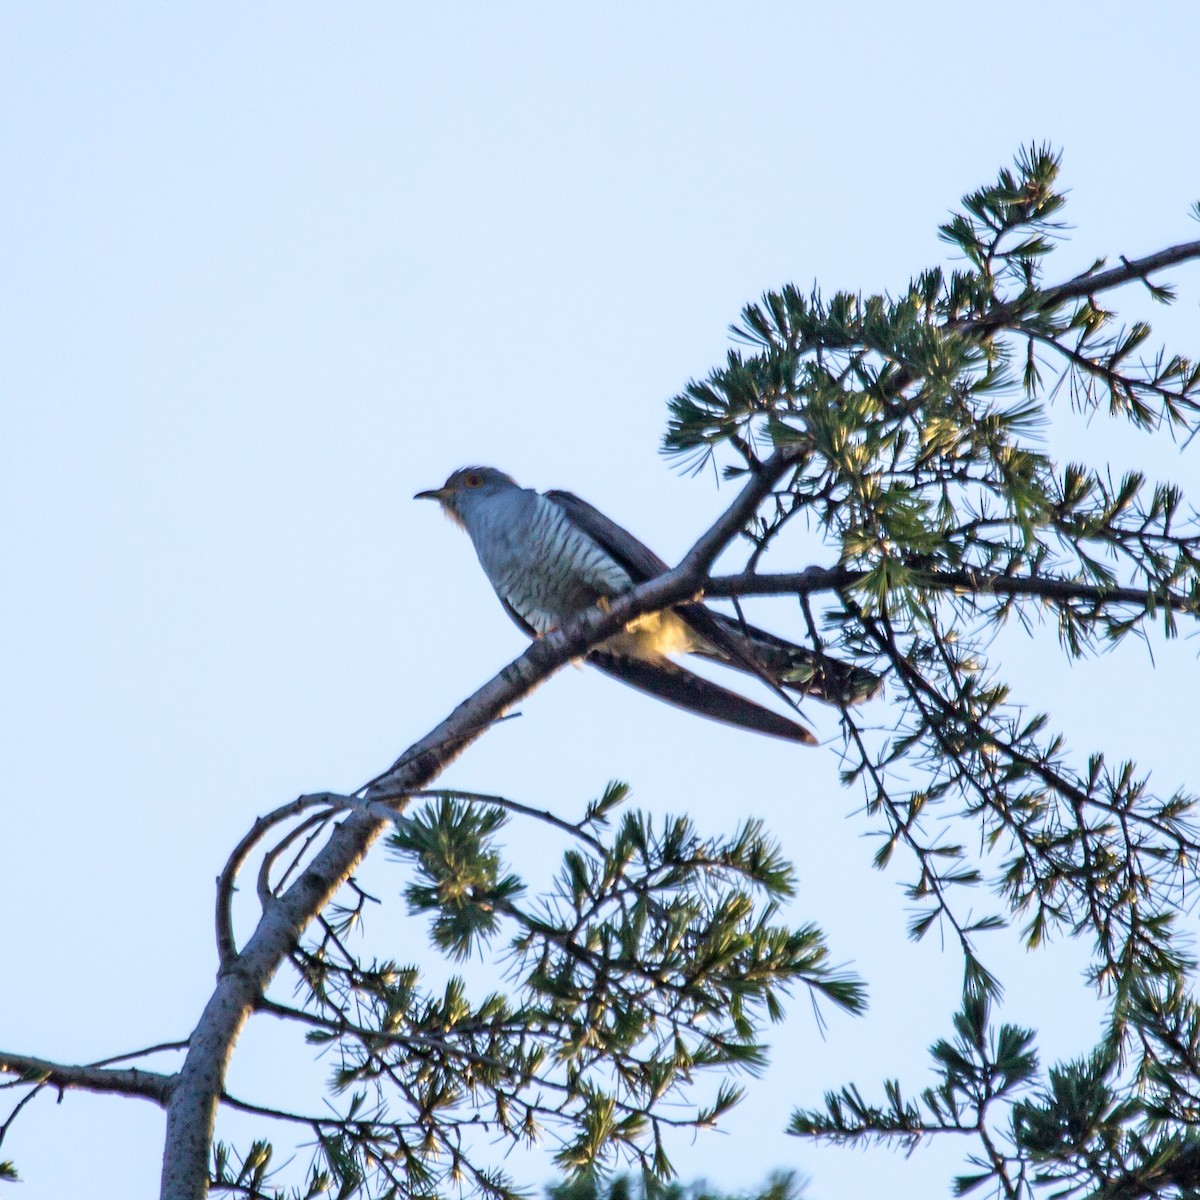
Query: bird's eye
{"points": [[473, 480]]}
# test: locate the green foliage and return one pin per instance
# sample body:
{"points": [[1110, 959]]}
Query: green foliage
{"points": [[450, 842], [250, 1176], [1081, 1129], [914, 429], [656, 959], [911, 452], [975, 1069], [781, 1185]]}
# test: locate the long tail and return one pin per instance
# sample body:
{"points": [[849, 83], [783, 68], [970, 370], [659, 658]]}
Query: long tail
{"points": [[670, 682], [797, 668]]}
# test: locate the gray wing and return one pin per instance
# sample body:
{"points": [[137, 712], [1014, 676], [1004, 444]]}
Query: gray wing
{"points": [[718, 640], [667, 681], [642, 563], [776, 661], [639, 561]]}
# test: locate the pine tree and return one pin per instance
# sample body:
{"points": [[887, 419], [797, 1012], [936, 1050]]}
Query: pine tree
{"points": [[904, 431]]}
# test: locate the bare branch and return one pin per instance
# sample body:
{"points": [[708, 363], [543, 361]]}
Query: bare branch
{"points": [[313, 826], [226, 943], [700, 558], [1130, 270], [832, 579], [125, 1082]]}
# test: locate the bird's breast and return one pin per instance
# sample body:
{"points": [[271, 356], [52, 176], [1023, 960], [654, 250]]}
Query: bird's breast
{"points": [[545, 567]]}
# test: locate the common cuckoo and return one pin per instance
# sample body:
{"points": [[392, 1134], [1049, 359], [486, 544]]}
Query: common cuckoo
{"points": [[550, 556]]}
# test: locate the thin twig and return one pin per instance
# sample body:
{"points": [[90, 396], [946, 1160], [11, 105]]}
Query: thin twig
{"points": [[226, 942], [516, 806], [161, 1048]]}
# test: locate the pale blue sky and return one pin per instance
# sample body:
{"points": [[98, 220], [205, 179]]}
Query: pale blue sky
{"points": [[269, 269]]}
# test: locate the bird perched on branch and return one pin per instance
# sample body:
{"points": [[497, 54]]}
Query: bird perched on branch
{"points": [[551, 555]]}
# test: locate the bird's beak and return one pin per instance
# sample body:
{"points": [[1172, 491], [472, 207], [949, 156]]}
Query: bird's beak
{"points": [[438, 494]]}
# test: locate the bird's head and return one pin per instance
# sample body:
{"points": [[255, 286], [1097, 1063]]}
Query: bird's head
{"points": [[467, 487]]}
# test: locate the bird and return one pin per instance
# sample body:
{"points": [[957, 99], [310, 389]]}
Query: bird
{"points": [[550, 555]]}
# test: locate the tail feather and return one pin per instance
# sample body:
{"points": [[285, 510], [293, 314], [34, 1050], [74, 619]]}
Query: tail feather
{"points": [[670, 682], [797, 668]]}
